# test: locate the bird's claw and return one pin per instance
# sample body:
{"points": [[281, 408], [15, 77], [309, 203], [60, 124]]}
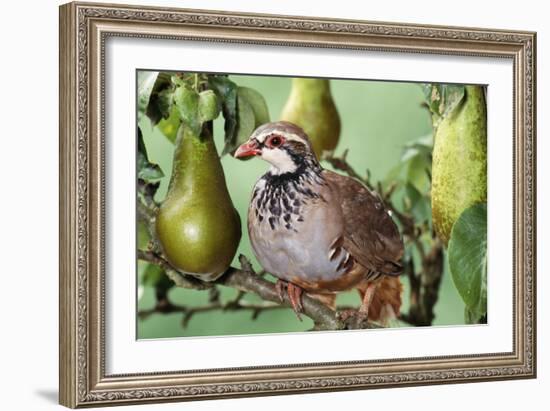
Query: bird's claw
{"points": [[280, 286], [353, 319], [294, 294], [295, 297]]}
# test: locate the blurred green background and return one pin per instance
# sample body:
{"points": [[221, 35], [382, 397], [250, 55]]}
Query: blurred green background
{"points": [[378, 119]]}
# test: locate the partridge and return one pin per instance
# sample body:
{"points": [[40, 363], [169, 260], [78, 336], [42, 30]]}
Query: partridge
{"points": [[318, 231]]}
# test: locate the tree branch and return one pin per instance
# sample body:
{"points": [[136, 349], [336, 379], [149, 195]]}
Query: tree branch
{"points": [[246, 281], [184, 281], [167, 307], [340, 163], [425, 287]]}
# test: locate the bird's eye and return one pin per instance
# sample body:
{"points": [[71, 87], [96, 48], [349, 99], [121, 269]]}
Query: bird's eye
{"points": [[275, 141]]}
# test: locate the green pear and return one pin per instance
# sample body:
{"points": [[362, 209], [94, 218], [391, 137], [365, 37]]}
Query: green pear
{"points": [[310, 105], [459, 167], [197, 225]]}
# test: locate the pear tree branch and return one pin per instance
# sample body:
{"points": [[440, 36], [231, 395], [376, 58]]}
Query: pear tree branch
{"points": [[246, 280], [165, 306]]}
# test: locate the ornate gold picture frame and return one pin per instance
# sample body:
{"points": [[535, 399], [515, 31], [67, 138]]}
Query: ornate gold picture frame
{"points": [[84, 30]]}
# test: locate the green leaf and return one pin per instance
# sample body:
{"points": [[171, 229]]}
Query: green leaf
{"points": [[245, 124], [169, 126], [420, 206], [418, 172], [468, 258], [416, 162], [394, 175], [160, 99], [143, 236], [421, 146], [187, 102], [146, 170], [209, 107], [442, 99], [258, 104], [146, 82], [154, 276], [227, 93]]}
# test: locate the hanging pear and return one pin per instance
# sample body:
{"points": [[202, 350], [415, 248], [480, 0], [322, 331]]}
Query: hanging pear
{"points": [[310, 105], [459, 167], [197, 225]]}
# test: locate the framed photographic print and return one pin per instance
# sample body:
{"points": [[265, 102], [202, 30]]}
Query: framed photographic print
{"points": [[258, 204]]}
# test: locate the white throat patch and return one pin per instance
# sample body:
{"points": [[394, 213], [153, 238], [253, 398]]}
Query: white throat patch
{"points": [[280, 161]]}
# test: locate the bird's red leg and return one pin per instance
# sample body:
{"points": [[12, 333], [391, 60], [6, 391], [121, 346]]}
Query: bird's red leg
{"points": [[367, 299], [295, 297], [357, 318]]}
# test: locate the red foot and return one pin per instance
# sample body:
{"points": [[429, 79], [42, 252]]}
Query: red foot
{"points": [[345, 315], [353, 319], [294, 294]]}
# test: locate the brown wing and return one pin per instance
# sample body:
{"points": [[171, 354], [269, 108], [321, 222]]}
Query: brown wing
{"points": [[370, 234]]}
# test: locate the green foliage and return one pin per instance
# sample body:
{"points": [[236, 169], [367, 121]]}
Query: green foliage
{"points": [[146, 170], [227, 92], [257, 103], [154, 95], [208, 109], [243, 108], [169, 126], [187, 103], [168, 99], [151, 275], [245, 123], [143, 236], [468, 260], [412, 177], [196, 108], [154, 276], [417, 202], [146, 82], [418, 171], [252, 112]]}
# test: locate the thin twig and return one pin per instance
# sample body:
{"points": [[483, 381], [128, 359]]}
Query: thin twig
{"points": [[167, 307], [340, 163]]}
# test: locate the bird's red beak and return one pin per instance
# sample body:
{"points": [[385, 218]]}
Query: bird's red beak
{"points": [[248, 149]]}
